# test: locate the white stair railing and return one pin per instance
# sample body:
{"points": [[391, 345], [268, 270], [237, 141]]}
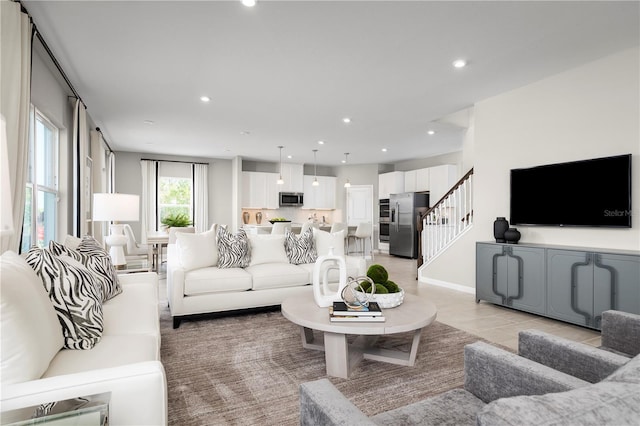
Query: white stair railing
{"points": [[447, 220]]}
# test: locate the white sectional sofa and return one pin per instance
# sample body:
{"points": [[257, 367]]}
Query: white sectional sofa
{"points": [[196, 285], [125, 362]]}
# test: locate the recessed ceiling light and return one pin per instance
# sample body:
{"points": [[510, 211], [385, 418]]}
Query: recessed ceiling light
{"points": [[205, 98], [431, 132], [289, 157], [149, 122], [249, 3], [320, 142], [459, 63], [384, 149], [346, 120]]}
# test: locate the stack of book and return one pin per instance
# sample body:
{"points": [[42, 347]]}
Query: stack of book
{"points": [[340, 312]]}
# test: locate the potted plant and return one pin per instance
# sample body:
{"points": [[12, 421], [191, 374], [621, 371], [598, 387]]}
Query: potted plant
{"points": [[176, 220]]}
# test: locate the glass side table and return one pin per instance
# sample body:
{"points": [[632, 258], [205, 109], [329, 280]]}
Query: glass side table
{"points": [[135, 265], [92, 410]]}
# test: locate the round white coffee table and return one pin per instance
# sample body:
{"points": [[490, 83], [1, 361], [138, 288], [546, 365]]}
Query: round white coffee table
{"points": [[341, 357]]}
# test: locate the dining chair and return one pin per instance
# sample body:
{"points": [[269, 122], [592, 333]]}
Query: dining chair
{"points": [[363, 232], [280, 227]]}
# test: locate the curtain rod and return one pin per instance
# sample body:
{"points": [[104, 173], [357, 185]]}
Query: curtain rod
{"points": [[58, 66], [172, 161]]}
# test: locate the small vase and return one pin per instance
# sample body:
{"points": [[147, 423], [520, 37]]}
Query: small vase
{"points": [[500, 225], [259, 218], [512, 236], [245, 217]]}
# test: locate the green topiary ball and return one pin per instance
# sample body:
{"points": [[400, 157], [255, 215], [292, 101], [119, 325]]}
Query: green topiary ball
{"points": [[380, 289], [392, 287], [366, 286], [377, 273]]}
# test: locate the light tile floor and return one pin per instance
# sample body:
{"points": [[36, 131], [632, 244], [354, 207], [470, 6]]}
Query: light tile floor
{"points": [[457, 309], [491, 322]]}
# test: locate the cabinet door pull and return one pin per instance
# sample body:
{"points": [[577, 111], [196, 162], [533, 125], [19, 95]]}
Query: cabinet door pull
{"points": [[520, 277], [613, 285], [574, 288], [494, 284]]}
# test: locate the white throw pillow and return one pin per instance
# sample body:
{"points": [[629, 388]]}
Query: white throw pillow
{"points": [[197, 251], [31, 334], [324, 240], [267, 249]]}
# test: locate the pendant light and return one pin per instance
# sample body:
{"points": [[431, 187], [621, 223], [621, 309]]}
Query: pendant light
{"points": [[280, 181], [315, 169], [347, 184]]}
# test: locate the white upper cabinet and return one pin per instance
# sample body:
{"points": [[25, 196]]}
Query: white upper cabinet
{"points": [[260, 190], [441, 179], [416, 180], [321, 197], [292, 176], [390, 183]]}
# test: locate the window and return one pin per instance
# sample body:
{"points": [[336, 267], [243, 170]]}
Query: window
{"points": [[175, 190], [41, 198]]}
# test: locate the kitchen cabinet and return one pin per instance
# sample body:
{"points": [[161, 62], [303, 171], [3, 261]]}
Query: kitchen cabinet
{"points": [[321, 197], [260, 190], [512, 276], [583, 284], [417, 180], [292, 176], [390, 183], [571, 284], [441, 179]]}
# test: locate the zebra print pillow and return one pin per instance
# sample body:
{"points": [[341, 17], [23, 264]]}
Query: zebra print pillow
{"points": [[102, 261], [234, 250], [96, 260], [300, 249], [75, 296]]}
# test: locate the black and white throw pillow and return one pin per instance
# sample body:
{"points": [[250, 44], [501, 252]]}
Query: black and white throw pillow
{"points": [[234, 249], [100, 262], [74, 293], [300, 249]]}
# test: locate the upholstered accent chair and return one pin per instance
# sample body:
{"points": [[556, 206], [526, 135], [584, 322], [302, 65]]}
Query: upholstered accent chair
{"points": [[564, 383]]}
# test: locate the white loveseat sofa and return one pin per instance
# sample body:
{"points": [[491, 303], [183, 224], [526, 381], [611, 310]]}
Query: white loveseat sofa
{"points": [[125, 362], [196, 285]]}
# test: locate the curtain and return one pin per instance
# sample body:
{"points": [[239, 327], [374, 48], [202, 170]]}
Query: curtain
{"points": [[15, 85], [82, 167], [201, 197], [149, 219], [99, 156]]}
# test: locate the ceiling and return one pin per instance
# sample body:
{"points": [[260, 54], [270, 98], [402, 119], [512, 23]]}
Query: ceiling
{"points": [[287, 72]]}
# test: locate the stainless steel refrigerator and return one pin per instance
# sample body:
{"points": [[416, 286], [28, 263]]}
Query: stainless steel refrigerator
{"points": [[405, 210]]}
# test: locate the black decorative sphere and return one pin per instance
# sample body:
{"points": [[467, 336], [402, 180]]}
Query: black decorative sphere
{"points": [[500, 225], [512, 235]]}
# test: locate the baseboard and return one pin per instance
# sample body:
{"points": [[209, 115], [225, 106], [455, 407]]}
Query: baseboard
{"points": [[452, 286]]}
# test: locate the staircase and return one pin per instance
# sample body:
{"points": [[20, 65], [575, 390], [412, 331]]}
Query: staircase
{"points": [[446, 221]]}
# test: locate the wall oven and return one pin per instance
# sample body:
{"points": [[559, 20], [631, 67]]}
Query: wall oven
{"points": [[385, 218]]}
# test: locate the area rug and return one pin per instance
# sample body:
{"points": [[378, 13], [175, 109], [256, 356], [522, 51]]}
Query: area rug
{"points": [[246, 370]]}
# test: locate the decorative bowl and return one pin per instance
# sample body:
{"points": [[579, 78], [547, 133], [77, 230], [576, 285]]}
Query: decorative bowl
{"points": [[275, 221], [389, 300]]}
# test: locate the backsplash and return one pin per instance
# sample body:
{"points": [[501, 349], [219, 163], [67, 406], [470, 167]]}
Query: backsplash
{"points": [[294, 214]]}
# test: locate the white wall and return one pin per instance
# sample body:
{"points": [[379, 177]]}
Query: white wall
{"points": [[129, 181], [588, 112]]}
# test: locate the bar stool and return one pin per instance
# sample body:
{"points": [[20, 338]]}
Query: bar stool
{"points": [[363, 232], [279, 228]]}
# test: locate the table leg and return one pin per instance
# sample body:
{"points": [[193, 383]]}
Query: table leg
{"points": [[309, 341], [337, 356]]}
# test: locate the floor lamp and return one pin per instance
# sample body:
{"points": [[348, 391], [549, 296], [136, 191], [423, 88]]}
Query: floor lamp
{"points": [[116, 208]]}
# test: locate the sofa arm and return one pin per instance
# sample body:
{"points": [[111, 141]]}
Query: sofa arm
{"points": [[576, 359], [491, 373], [621, 332], [138, 392], [322, 404]]}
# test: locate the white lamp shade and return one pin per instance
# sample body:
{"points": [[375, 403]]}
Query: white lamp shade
{"points": [[116, 207]]}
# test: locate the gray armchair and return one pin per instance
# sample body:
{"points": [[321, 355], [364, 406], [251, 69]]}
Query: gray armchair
{"points": [[503, 388]]}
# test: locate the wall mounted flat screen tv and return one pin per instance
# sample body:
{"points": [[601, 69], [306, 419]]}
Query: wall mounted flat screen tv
{"points": [[593, 192]]}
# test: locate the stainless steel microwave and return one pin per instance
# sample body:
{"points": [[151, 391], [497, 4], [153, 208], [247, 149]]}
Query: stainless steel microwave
{"points": [[291, 199]]}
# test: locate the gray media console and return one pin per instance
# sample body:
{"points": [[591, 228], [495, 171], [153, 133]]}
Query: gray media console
{"points": [[572, 284]]}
